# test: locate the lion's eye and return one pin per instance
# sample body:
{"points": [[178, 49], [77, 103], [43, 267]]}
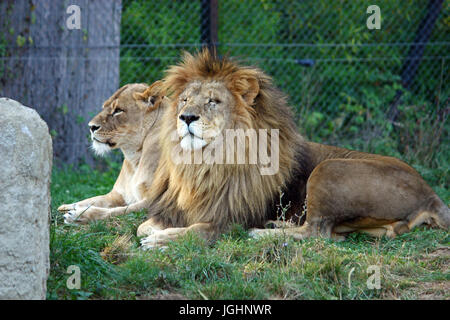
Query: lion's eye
{"points": [[213, 101], [117, 111]]}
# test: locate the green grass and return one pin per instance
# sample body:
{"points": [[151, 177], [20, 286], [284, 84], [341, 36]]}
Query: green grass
{"points": [[112, 265]]}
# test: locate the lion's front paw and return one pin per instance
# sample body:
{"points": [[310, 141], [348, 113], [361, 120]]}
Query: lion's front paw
{"points": [[156, 240], [146, 230], [259, 233]]}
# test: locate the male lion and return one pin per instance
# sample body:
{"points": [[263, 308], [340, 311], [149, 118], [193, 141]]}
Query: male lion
{"points": [[130, 121], [346, 190]]}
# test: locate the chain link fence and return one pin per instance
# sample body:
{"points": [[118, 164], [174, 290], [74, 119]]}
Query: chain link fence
{"points": [[381, 90], [348, 84]]}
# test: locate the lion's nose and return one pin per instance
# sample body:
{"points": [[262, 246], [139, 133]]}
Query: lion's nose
{"points": [[189, 118], [93, 128]]}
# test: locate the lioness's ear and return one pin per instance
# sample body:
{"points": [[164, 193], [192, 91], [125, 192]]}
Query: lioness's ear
{"points": [[146, 100], [151, 97], [248, 88]]}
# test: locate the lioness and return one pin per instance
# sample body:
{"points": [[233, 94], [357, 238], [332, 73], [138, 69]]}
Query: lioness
{"points": [[345, 190], [130, 120]]}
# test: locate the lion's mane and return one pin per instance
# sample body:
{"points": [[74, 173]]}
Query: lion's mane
{"points": [[225, 194]]}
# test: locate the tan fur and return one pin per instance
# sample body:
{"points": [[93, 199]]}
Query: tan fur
{"points": [[352, 191], [130, 120], [346, 190], [218, 195]]}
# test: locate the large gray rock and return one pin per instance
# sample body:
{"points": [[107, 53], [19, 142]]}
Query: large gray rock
{"points": [[25, 171]]}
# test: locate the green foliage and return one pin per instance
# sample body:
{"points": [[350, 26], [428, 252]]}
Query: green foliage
{"points": [[235, 266], [157, 25], [344, 98]]}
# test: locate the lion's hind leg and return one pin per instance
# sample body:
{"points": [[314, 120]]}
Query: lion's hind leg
{"points": [[434, 212], [374, 228], [438, 213], [391, 230], [307, 230], [434, 219]]}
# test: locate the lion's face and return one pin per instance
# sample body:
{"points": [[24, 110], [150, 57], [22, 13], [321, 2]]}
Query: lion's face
{"points": [[124, 119], [204, 112]]}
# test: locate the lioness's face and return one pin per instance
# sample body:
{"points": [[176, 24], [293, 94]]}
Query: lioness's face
{"points": [[121, 123], [204, 112]]}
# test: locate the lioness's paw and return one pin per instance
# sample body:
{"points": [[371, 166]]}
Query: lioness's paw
{"points": [[75, 216], [67, 207]]}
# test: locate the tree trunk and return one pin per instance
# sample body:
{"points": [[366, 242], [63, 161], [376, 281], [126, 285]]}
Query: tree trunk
{"points": [[64, 74]]}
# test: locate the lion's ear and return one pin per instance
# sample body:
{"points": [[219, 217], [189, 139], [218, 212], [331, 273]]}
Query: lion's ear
{"points": [[248, 88], [147, 100]]}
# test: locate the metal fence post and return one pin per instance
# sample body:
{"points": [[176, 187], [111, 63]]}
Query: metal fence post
{"points": [[412, 60], [209, 23]]}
